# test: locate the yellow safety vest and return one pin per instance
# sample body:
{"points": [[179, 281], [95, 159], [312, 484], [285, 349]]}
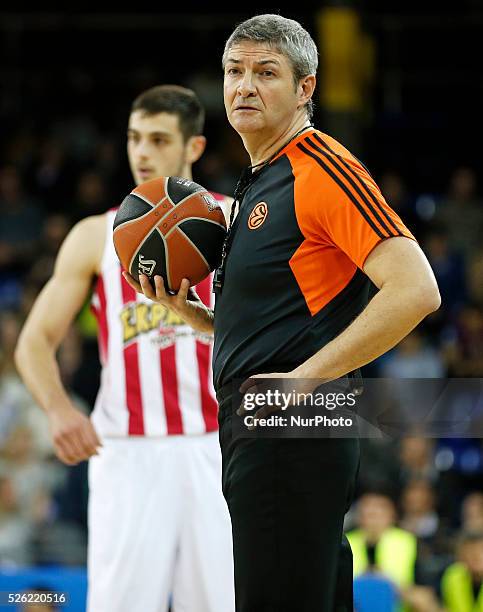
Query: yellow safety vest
{"points": [[395, 554], [457, 590]]}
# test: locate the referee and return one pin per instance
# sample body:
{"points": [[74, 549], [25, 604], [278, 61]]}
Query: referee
{"points": [[311, 231]]}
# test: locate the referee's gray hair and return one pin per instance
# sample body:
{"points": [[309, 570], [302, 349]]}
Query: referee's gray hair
{"points": [[287, 36]]}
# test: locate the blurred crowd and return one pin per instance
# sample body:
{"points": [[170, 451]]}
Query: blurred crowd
{"points": [[430, 488]]}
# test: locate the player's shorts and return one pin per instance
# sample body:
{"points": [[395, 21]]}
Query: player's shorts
{"points": [[159, 527]]}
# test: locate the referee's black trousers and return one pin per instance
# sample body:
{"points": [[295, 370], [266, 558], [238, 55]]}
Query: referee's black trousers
{"points": [[287, 499]]}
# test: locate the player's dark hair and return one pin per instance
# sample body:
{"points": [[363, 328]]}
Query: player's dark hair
{"points": [[175, 100]]}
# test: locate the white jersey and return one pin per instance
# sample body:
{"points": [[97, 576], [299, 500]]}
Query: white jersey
{"points": [[156, 375]]}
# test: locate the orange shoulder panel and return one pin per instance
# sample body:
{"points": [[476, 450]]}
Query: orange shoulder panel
{"points": [[341, 214]]}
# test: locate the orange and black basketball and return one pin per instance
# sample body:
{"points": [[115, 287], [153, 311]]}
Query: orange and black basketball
{"points": [[172, 227]]}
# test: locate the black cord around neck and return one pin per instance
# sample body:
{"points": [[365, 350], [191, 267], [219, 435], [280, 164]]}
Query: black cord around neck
{"points": [[248, 176], [246, 179], [267, 161]]}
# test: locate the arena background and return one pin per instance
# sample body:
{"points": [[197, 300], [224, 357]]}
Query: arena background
{"points": [[401, 87]]}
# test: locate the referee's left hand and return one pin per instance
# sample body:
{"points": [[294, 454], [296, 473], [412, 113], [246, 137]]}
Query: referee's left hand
{"points": [[283, 382]]}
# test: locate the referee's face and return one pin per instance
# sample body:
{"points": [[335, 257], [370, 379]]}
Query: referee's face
{"points": [[259, 91]]}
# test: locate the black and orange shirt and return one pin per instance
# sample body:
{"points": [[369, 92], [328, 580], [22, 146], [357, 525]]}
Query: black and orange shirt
{"points": [[293, 274]]}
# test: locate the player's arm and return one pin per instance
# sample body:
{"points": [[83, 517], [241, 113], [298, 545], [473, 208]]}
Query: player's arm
{"points": [[54, 310], [407, 294]]}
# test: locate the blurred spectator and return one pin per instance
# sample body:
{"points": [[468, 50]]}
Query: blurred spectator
{"points": [[28, 296], [70, 356], [472, 512], [9, 330], [107, 158], [422, 599], [39, 273], [418, 508], [54, 231], [464, 343], [379, 466], [21, 148], [79, 133], [475, 277], [214, 173], [460, 463], [382, 549], [461, 211], [420, 459], [16, 404], [25, 443], [11, 405], [420, 517], [377, 544], [413, 358], [19, 223], [461, 584], [15, 530], [32, 479], [52, 174], [449, 269], [56, 533], [395, 192], [79, 367], [416, 460], [91, 196], [409, 397]]}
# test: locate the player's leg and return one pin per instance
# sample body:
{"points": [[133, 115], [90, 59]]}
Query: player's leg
{"points": [[204, 570], [132, 535]]}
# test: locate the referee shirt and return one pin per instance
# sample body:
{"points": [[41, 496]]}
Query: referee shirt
{"points": [[293, 274]]}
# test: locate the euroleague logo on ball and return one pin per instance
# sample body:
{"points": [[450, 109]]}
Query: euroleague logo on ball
{"points": [[258, 215]]}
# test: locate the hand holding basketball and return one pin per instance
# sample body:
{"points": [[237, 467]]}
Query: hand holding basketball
{"points": [[159, 294], [185, 303]]}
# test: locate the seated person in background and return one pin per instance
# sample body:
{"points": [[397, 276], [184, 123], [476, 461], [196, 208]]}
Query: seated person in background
{"points": [[472, 512], [461, 584], [379, 546], [420, 516]]}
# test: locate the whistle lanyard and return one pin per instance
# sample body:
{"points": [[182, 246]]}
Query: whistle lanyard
{"points": [[246, 179]]}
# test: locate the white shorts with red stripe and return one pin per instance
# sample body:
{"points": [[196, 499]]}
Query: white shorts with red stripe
{"points": [[159, 527]]}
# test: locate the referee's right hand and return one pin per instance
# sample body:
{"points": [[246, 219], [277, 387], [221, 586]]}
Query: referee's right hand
{"points": [[73, 435]]}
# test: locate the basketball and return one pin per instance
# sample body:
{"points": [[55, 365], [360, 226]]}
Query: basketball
{"points": [[169, 226]]}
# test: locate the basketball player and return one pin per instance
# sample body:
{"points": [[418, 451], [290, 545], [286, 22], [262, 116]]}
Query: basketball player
{"points": [[158, 523]]}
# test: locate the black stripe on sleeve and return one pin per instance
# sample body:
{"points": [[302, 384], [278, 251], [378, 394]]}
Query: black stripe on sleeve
{"points": [[365, 187], [344, 188], [354, 185]]}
